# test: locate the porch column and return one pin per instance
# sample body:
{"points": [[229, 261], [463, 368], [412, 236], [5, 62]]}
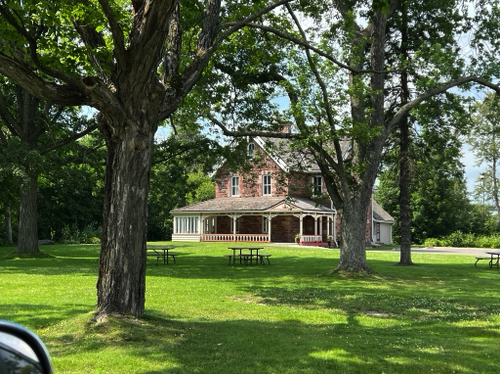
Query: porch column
{"points": [[328, 223], [234, 227], [315, 225], [269, 218], [234, 217], [175, 225]]}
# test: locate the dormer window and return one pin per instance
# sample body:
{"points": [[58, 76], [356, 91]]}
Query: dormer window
{"points": [[235, 185], [317, 182], [251, 150]]}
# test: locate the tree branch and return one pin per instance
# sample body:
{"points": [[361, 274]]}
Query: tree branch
{"points": [[9, 119], [171, 60], [264, 134], [33, 48], [319, 79], [69, 139], [116, 32], [436, 91], [58, 94], [92, 39]]}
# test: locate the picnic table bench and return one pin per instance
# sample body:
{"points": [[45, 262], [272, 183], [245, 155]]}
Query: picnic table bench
{"points": [[492, 260]]}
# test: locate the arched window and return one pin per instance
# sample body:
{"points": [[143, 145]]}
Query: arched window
{"points": [[251, 149]]}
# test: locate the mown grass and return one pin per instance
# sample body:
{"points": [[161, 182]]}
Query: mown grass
{"points": [[294, 316]]}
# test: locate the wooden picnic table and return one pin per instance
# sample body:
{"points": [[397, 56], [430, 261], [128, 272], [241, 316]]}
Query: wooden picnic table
{"points": [[245, 256], [161, 252], [494, 254]]}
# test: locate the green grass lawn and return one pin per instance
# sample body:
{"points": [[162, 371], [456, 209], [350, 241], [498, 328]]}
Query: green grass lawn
{"points": [[294, 316]]}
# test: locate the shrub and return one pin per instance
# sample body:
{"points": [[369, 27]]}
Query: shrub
{"points": [[459, 239], [431, 242], [94, 240], [89, 235]]}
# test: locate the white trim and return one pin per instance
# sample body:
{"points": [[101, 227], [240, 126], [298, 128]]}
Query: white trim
{"points": [[187, 224], [266, 185], [234, 188], [251, 150], [282, 164], [265, 224]]}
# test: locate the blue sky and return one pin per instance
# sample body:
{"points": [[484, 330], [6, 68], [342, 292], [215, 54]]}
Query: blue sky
{"points": [[471, 170]]}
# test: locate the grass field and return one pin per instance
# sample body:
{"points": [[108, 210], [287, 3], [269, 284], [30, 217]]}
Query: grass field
{"points": [[294, 316]]}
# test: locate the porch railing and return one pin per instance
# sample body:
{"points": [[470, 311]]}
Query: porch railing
{"points": [[235, 238], [310, 239]]}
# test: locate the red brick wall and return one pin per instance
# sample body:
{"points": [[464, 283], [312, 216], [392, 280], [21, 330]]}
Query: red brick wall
{"points": [[284, 228], [251, 183], [250, 225], [224, 225]]}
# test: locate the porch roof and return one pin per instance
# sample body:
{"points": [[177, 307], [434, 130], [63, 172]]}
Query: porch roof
{"points": [[255, 204]]}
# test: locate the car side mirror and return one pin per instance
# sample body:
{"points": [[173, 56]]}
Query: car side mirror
{"points": [[21, 351]]}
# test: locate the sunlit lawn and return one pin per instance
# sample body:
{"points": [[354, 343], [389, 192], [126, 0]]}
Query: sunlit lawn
{"points": [[294, 316]]}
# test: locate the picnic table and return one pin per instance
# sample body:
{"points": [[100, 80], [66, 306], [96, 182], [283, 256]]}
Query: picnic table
{"points": [[253, 252], [161, 252], [492, 258]]}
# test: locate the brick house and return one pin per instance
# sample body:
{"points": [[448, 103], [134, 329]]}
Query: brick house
{"points": [[266, 205]]}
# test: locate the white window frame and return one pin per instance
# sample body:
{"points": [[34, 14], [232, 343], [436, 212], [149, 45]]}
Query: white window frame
{"points": [[317, 182], [265, 225], [266, 185], [186, 225], [235, 186]]}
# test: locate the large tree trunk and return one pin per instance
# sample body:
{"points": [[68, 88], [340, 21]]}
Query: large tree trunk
{"points": [[122, 267], [404, 163], [404, 196], [353, 242], [27, 241]]}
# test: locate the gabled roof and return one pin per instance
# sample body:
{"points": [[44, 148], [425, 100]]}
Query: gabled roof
{"points": [[255, 204], [281, 153], [379, 214]]}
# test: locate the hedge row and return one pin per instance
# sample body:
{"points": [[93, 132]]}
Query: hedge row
{"points": [[460, 239]]}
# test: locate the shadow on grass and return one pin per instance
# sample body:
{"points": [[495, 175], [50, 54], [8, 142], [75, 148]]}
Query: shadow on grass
{"points": [[39, 316], [240, 346]]}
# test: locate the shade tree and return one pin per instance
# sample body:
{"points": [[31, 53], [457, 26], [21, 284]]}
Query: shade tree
{"points": [[134, 62], [30, 130]]}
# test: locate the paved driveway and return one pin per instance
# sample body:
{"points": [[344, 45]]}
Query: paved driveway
{"points": [[451, 250]]}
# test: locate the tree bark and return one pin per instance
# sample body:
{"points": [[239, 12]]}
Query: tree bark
{"points": [[27, 242], [122, 266], [353, 242], [404, 196], [8, 224], [404, 163]]}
